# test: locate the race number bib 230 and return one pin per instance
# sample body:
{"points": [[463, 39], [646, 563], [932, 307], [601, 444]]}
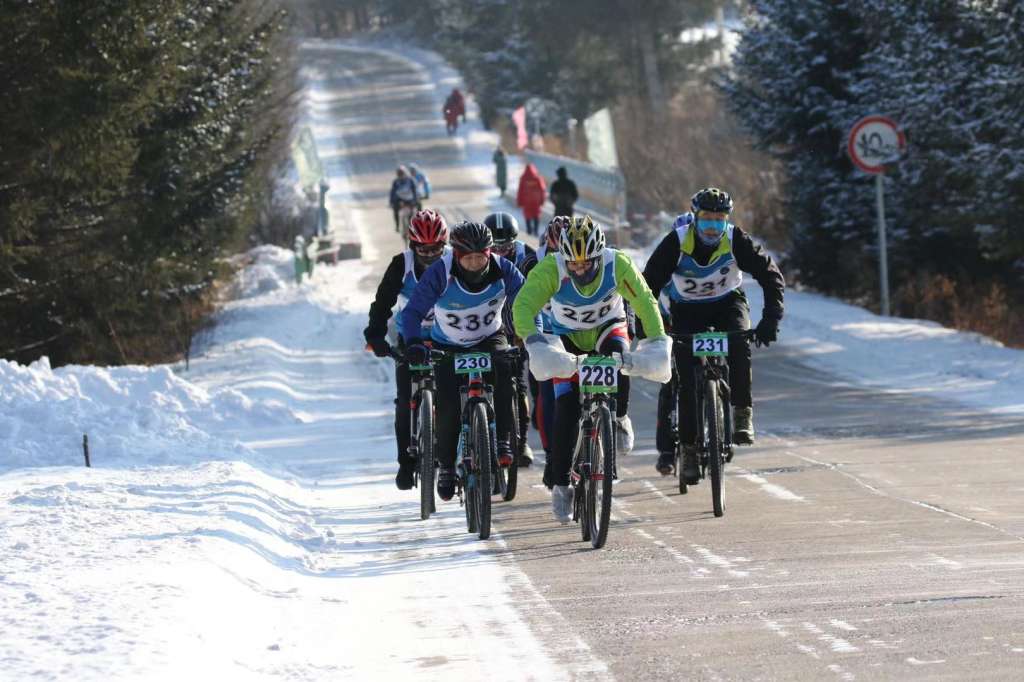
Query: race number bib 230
{"points": [[472, 363]]}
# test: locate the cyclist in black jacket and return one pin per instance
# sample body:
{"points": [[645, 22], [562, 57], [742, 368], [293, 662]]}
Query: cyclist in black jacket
{"points": [[697, 270], [504, 230], [428, 239]]}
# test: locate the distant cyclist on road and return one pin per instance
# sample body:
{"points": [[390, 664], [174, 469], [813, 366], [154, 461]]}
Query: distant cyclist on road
{"points": [[698, 268], [403, 194], [422, 182]]}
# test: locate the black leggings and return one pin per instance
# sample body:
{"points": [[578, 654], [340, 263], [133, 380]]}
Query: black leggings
{"points": [[448, 407], [730, 314], [567, 409]]}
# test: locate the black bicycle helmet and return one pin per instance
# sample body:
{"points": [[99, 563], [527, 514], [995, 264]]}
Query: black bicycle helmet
{"points": [[504, 227], [711, 199], [470, 237]]}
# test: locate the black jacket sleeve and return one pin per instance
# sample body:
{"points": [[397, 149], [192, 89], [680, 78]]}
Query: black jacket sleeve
{"points": [[529, 260], [662, 262], [752, 258], [387, 295]]}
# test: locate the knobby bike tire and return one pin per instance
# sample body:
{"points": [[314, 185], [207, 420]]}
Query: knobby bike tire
{"points": [[716, 452], [603, 463], [468, 492], [425, 436], [508, 477], [676, 411], [585, 487], [483, 458]]}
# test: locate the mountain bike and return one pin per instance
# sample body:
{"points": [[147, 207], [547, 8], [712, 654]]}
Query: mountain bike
{"points": [[477, 454], [593, 459], [506, 480], [421, 439], [714, 412]]}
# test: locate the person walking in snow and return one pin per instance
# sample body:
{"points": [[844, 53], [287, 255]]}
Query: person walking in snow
{"points": [[500, 169], [530, 197], [564, 193]]}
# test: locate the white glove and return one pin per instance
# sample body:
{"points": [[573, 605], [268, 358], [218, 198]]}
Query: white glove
{"points": [[548, 358], [652, 360]]}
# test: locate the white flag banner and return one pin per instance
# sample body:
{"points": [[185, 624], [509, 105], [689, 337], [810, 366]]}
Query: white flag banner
{"points": [[601, 139]]}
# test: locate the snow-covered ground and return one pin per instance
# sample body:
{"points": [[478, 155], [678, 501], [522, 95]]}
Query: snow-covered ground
{"points": [[240, 519]]}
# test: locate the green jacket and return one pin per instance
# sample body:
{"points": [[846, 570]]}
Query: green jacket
{"points": [[543, 282]]}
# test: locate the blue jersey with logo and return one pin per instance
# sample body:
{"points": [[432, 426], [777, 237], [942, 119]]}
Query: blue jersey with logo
{"points": [[409, 282], [570, 310], [692, 282], [461, 317]]}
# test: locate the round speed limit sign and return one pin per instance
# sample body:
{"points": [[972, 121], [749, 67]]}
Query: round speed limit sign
{"points": [[875, 141]]}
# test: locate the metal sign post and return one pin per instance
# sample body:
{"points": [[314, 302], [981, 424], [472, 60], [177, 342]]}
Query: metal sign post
{"points": [[874, 142], [883, 259]]}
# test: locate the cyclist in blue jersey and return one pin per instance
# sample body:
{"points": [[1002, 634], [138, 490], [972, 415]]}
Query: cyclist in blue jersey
{"points": [[469, 291], [428, 238]]}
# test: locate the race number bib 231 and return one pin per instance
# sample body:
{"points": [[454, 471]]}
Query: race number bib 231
{"points": [[599, 374], [710, 344]]}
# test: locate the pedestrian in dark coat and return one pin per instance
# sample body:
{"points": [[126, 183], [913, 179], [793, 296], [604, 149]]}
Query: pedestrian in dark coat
{"points": [[500, 169], [564, 193]]}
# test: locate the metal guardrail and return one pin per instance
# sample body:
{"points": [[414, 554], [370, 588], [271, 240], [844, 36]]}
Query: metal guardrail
{"points": [[601, 188]]}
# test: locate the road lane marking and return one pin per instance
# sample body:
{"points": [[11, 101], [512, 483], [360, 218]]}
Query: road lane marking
{"points": [[842, 625], [650, 486], [918, 503], [770, 488], [837, 644]]}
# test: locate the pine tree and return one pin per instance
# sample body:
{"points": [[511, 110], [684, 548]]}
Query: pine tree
{"points": [[136, 134]]}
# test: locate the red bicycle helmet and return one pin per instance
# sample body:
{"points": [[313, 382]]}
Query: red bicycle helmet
{"points": [[428, 227]]}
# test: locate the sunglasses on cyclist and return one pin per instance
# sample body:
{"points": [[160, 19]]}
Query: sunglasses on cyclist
{"points": [[428, 249]]}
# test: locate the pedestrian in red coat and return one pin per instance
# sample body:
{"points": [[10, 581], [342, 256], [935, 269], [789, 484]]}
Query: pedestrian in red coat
{"points": [[530, 197]]}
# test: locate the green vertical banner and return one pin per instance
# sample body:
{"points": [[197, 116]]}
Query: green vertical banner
{"points": [[306, 158]]}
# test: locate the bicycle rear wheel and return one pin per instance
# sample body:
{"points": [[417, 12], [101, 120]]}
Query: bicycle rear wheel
{"points": [[483, 458], [716, 451], [425, 441], [599, 483]]}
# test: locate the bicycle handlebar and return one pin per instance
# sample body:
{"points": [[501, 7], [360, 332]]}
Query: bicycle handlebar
{"points": [[745, 334], [512, 354]]}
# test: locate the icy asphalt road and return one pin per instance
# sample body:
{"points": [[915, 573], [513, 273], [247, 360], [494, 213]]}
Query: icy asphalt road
{"points": [[867, 535]]}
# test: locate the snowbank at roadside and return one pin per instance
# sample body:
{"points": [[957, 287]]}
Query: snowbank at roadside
{"points": [[134, 415], [916, 357]]}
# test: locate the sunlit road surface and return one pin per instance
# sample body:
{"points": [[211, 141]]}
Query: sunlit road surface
{"points": [[866, 536]]}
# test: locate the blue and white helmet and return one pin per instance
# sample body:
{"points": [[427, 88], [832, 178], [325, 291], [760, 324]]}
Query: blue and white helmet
{"points": [[682, 221]]}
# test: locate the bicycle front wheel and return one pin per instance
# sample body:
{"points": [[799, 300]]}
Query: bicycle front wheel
{"points": [[425, 442], [716, 449], [483, 458], [602, 472]]}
